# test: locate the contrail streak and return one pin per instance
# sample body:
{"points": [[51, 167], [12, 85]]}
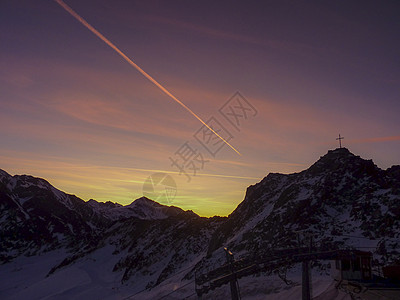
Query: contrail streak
{"points": [[105, 40]]}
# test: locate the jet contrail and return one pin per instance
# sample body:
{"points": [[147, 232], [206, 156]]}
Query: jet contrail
{"points": [[105, 40]]}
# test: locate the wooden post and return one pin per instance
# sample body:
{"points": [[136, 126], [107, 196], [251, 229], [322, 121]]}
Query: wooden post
{"points": [[234, 290], [306, 274], [306, 282], [233, 281]]}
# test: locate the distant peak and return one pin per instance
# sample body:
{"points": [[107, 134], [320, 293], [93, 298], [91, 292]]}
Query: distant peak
{"points": [[340, 150], [337, 153], [145, 201], [340, 159]]}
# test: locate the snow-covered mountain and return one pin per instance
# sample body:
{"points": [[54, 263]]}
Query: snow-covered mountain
{"points": [[146, 249], [341, 195]]}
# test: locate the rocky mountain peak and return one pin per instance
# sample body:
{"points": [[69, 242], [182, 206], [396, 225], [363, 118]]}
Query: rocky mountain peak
{"points": [[144, 201], [146, 208], [341, 160]]}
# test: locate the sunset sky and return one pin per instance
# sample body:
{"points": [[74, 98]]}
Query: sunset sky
{"points": [[74, 112]]}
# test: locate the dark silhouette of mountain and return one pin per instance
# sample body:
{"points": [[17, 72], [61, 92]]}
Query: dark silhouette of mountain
{"points": [[342, 200], [341, 194]]}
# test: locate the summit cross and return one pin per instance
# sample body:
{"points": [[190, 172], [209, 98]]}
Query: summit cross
{"points": [[340, 138]]}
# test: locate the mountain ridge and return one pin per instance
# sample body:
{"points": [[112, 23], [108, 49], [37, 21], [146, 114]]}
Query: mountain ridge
{"points": [[338, 196]]}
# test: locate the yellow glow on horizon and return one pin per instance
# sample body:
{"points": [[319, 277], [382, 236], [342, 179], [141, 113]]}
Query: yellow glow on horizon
{"points": [[124, 184]]}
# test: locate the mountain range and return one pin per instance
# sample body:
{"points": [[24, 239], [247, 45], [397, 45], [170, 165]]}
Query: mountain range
{"points": [[145, 249]]}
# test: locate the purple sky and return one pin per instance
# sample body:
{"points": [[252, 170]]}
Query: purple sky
{"points": [[74, 112]]}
